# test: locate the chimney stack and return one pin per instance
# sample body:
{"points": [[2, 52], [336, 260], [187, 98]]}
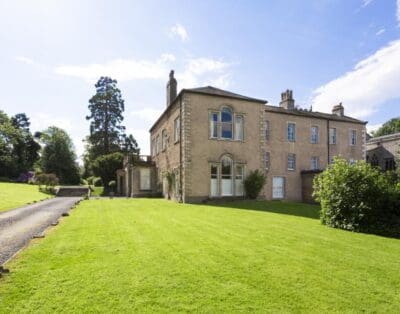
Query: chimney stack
{"points": [[338, 110], [287, 100], [171, 88]]}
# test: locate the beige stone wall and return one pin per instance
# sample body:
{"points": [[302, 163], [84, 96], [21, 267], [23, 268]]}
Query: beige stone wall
{"points": [[167, 159], [279, 148], [200, 150]]}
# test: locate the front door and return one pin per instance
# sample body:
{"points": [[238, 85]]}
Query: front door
{"points": [[278, 187]]}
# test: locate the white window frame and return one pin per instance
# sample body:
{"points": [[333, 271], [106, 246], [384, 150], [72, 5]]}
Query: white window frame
{"points": [[266, 130], [289, 138], [239, 132], [314, 163], [353, 137], [332, 136], [145, 183], [214, 124], [291, 162], [177, 126], [267, 160], [158, 144], [314, 138]]}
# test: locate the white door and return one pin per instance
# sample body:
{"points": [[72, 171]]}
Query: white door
{"points": [[145, 178], [226, 177], [278, 187]]}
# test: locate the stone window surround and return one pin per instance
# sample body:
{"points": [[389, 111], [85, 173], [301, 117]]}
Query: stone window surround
{"points": [[333, 139], [177, 123], [293, 161], [316, 140], [234, 115], [294, 132], [351, 132], [218, 163]]}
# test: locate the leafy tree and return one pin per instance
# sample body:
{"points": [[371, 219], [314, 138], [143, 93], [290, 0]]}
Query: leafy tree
{"points": [[106, 166], [389, 127], [129, 145], [58, 155], [18, 149]]}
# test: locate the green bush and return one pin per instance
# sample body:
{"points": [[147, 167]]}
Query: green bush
{"points": [[83, 182], [359, 198], [253, 183], [97, 181], [112, 184]]}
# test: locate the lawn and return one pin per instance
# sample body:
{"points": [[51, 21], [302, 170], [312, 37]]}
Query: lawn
{"points": [[13, 195], [148, 255]]}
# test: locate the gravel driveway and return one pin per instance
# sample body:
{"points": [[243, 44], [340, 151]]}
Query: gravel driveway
{"points": [[18, 226]]}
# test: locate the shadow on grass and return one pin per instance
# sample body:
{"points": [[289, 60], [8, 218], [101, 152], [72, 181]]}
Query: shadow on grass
{"points": [[278, 207]]}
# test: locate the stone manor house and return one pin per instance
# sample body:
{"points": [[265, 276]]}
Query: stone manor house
{"points": [[208, 139]]}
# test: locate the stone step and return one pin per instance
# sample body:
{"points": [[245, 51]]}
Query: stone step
{"points": [[69, 191]]}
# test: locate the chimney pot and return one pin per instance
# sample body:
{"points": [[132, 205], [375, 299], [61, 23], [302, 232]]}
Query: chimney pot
{"points": [[287, 101], [338, 110], [172, 86]]}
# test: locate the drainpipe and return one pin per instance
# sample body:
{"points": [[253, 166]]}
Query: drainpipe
{"points": [[327, 140], [180, 149]]}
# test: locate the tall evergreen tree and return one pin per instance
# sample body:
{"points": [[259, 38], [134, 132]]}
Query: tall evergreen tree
{"points": [[106, 109]]}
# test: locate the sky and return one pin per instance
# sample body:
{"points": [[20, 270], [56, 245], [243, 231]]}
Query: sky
{"points": [[326, 51]]}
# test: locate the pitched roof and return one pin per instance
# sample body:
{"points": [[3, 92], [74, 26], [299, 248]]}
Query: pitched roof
{"points": [[384, 138], [213, 91], [313, 114]]}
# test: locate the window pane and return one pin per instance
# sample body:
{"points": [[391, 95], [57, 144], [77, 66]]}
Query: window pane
{"points": [[214, 125], [145, 179], [214, 172], [291, 132], [226, 115], [266, 160], [239, 128], [239, 191], [226, 130]]}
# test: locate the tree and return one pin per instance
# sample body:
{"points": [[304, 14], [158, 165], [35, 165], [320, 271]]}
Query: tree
{"points": [[389, 127], [106, 108], [106, 166], [58, 155], [18, 149], [107, 134]]}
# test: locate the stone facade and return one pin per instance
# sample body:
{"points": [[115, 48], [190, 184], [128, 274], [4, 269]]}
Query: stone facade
{"points": [[208, 139], [383, 151]]}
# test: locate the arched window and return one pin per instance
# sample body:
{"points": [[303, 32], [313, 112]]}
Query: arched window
{"points": [[226, 176], [226, 123]]}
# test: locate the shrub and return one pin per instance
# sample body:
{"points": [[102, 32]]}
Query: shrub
{"points": [[83, 182], [47, 179], [358, 197], [106, 166], [90, 180], [253, 183], [112, 184], [97, 181]]}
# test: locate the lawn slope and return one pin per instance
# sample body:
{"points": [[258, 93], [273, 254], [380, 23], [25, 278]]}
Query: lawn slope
{"points": [[140, 255], [14, 195]]}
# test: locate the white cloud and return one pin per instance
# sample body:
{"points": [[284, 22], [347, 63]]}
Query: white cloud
{"points": [[380, 32], [369, 84], [120, 69], [179, 31], [205, 71], [41, 121], [148, 114], [25, 60], [373, 127], [142, 136]]}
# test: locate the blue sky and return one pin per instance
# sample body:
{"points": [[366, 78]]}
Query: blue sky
{"points": [[327, 51]]}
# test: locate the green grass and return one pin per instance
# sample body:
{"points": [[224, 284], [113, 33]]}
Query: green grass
{"points": [[97, 191], [13, 195], [126, 255]]}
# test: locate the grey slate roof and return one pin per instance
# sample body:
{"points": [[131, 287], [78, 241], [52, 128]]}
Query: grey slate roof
{"points": [[213, 91], [313, 114]]}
